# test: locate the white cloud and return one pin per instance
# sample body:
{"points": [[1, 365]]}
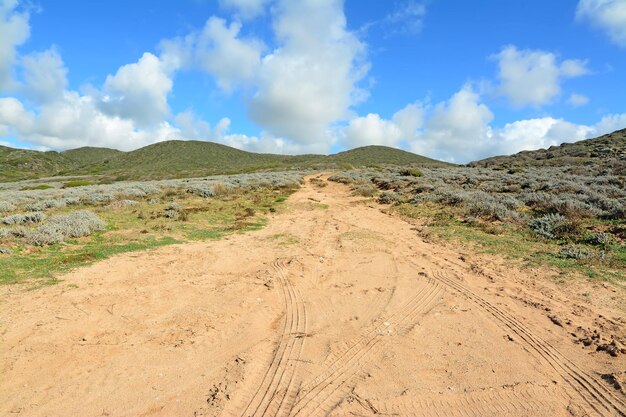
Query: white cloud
{"points": [[74, 120], [607, 15], [372, 130], [45, 76], [534, 77], [452, 130], [138, 91], [14, 30], [219, 50], [310, 81], [577, 100], [247, 9]]}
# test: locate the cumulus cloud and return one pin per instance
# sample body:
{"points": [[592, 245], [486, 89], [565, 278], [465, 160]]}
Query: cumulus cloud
{"points": [[372, 130], [45, 76], [310, 81], [534, 77], [606, 15], [218, 49], [15, 29], [461, 130], [138, 91]]}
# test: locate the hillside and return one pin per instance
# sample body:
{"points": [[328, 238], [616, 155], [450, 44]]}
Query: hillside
{"points": [[17, 164], [88, 155], [607, 150], [176, 159], [369, 155]]}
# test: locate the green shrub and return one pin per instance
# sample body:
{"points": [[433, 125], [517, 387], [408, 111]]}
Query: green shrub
{"points": [[411, 172], [77, 183]]}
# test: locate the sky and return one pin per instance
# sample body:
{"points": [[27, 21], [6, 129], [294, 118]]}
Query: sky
{"points": [[452, 80]]}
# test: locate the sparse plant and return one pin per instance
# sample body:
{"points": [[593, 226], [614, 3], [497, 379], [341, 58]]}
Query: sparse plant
{"points": [[24, 218]]}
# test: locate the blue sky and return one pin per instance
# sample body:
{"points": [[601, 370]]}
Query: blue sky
{"points": [[451, 80]]}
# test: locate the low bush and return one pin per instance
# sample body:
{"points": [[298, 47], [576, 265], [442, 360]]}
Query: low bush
{"points": [[5, 251], [24, 218], [6, 206], [411, 172], [77, 183], [575, 252], [365, 190], [548, 225], [77, 224]]}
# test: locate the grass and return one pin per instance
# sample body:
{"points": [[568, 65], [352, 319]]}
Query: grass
{"points": [[517, 244], [77, 183], [140, 227], [36, 187]]}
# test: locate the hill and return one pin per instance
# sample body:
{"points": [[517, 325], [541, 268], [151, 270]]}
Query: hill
{"points": [[177, 159], [374, 154], [17, 164], [88, 155], [607, 150]]}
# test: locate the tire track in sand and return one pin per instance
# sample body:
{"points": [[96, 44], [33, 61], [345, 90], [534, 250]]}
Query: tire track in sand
{"points": [[277, 390], [322, 393], [593, 392]]}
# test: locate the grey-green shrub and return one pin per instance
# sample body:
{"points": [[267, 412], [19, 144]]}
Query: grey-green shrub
{"points": [[6, 206], [24, 218], [547, 225], [77, 224]]}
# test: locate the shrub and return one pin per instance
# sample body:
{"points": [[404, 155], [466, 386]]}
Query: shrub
{"points": [[204, 191], [390, 197], [365, 190], [547, 225], [6, 206], [5, 251], [25, 218], [411, 172], [555, 226], [575, 252], [341, 178], [598, 239], [77, 224], [4, 233], [45, 204]]}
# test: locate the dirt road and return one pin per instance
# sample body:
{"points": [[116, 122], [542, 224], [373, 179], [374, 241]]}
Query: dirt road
{"points": [[335, 308]]}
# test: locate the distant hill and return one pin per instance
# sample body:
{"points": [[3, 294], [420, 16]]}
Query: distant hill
{"points": [[607, 150], [371, 155], [16, 164], [89, 155], [176, 159]]}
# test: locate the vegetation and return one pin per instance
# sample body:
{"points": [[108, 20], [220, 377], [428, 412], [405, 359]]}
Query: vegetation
{"points": [[544, 215], [76, 226], [604, 152]]}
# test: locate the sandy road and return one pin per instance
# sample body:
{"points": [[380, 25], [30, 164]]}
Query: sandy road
{"points": [[335, 308]]}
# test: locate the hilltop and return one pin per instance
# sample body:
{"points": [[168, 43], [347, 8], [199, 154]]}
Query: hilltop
{"points": [[177, 159], [607, 150]]}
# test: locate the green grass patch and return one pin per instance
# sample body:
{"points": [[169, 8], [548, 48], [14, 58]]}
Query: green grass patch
{"points": [[77, 183], [36, 187]]}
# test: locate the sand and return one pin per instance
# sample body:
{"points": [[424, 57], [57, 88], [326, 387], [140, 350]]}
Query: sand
{"points": [[335, 308]]}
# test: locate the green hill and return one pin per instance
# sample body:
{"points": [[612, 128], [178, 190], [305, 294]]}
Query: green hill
{"points": [[177, 159], [374, 154], [88, 155], [607, 150], [17, 164]]}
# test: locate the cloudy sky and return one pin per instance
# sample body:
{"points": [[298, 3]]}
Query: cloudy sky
{"points": [[453, 80]]}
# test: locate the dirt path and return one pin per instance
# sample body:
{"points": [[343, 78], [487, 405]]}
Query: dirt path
{"points": [[335, 308]]}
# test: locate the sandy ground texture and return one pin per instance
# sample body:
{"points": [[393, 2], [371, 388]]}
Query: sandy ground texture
{"points": [[335, 308]]}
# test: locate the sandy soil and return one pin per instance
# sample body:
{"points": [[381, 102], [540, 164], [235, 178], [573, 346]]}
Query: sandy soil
{"points": [[335, 308]]}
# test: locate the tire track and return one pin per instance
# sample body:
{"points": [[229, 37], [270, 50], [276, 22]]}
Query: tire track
{"points": [[588, 388], [318, 395], [276, 392]]}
